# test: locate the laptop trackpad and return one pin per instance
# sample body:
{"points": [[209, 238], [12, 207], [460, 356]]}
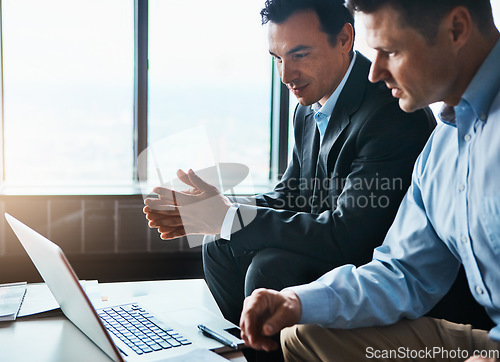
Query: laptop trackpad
{"points": [[195, 316]]}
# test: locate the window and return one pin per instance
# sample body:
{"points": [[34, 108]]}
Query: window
{"points": [[210, 72], [68, 74], [68, 83]]}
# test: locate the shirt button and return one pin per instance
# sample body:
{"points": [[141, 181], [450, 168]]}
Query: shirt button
{"points": [[467, 137], [483, 116], [461, 188], [479, 290], [464, 239]]}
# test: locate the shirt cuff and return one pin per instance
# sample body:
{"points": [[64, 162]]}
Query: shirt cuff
{"points": [[227, 224], [316, 307]]}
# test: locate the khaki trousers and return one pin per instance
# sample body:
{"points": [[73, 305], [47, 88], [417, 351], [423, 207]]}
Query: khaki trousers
{"points": [[423, 339]]}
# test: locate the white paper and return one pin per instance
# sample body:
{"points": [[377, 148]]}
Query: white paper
{"points": [[11, 297], [39, 298]]}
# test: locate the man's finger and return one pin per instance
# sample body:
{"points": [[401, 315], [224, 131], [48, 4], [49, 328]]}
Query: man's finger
{"points": [[173, 234], [150, 201], [199, 183], [166, 210], [164, 193], [166, 229], [158, 208], [171, 197], [184, 178], [172, 221], [168, 196]]}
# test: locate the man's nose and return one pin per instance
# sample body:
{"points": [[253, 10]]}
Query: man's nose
{"points": [[378, 70], [288, 72]]}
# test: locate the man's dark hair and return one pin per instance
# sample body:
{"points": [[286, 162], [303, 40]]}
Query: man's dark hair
{"points": [[425, 16], [332, 14]]}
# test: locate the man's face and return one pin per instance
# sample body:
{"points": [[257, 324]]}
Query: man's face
{"points": [[418, 73], [307, 62]]}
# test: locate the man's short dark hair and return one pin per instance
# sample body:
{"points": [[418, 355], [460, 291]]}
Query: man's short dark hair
{"points": [[425, 16], [332, 14]]}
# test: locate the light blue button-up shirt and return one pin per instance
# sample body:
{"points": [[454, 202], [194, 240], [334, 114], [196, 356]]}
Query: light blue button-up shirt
{"points": [[450, 215]]}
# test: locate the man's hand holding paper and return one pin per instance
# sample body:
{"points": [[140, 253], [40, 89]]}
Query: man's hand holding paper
{"points": [[199, 210]]}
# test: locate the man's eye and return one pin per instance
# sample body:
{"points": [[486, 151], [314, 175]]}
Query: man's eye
{"points": [[300, 55], [390, 53]]}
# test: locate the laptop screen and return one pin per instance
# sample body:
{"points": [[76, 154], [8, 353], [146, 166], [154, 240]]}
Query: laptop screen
{"points": [[62, 281]]}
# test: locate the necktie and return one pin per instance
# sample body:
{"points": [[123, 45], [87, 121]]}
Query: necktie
{"points": [[321, 173]]}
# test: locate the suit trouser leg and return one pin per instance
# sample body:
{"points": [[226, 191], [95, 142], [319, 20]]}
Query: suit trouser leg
{"points": [[225, 276], [231, 278], [278, 268], [423, 339]]}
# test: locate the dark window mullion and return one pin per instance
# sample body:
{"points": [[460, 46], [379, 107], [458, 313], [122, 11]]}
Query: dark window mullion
{"points": [[140, 85], [280, 103], [283, 127]]}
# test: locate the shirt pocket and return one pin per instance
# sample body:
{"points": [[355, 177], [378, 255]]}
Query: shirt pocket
{"points": [[491, 221]]}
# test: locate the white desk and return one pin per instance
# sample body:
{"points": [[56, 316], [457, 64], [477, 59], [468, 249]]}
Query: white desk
{"points": [[57, 339]]}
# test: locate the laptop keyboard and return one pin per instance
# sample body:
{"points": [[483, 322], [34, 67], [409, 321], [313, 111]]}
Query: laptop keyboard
{"points": [[139, 330]]}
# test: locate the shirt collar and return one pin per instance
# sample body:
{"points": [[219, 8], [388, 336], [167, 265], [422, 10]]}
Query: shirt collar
{"points": [[329, 105], [483, 88]]}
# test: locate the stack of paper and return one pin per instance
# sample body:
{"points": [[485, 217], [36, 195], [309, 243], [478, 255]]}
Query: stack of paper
{"points": [[39, 300], [11, 298]]}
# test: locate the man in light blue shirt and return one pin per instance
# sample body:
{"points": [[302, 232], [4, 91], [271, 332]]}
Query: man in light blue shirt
{"points": [[427, 51]]}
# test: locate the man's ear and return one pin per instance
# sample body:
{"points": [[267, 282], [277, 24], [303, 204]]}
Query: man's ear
{"points": [[459, 24], [345, 37]]}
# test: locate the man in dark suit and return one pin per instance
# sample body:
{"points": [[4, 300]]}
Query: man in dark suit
{"points": [[352, 160]]}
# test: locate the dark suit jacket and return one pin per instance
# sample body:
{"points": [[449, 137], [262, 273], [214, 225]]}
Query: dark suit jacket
{"points": [[368, 151]]}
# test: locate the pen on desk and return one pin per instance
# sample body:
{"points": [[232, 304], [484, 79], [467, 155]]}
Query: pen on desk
{"points": [[210, 333]]}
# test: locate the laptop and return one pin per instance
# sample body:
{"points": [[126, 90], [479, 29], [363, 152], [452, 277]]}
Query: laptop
{"points": [[128, 331]]}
